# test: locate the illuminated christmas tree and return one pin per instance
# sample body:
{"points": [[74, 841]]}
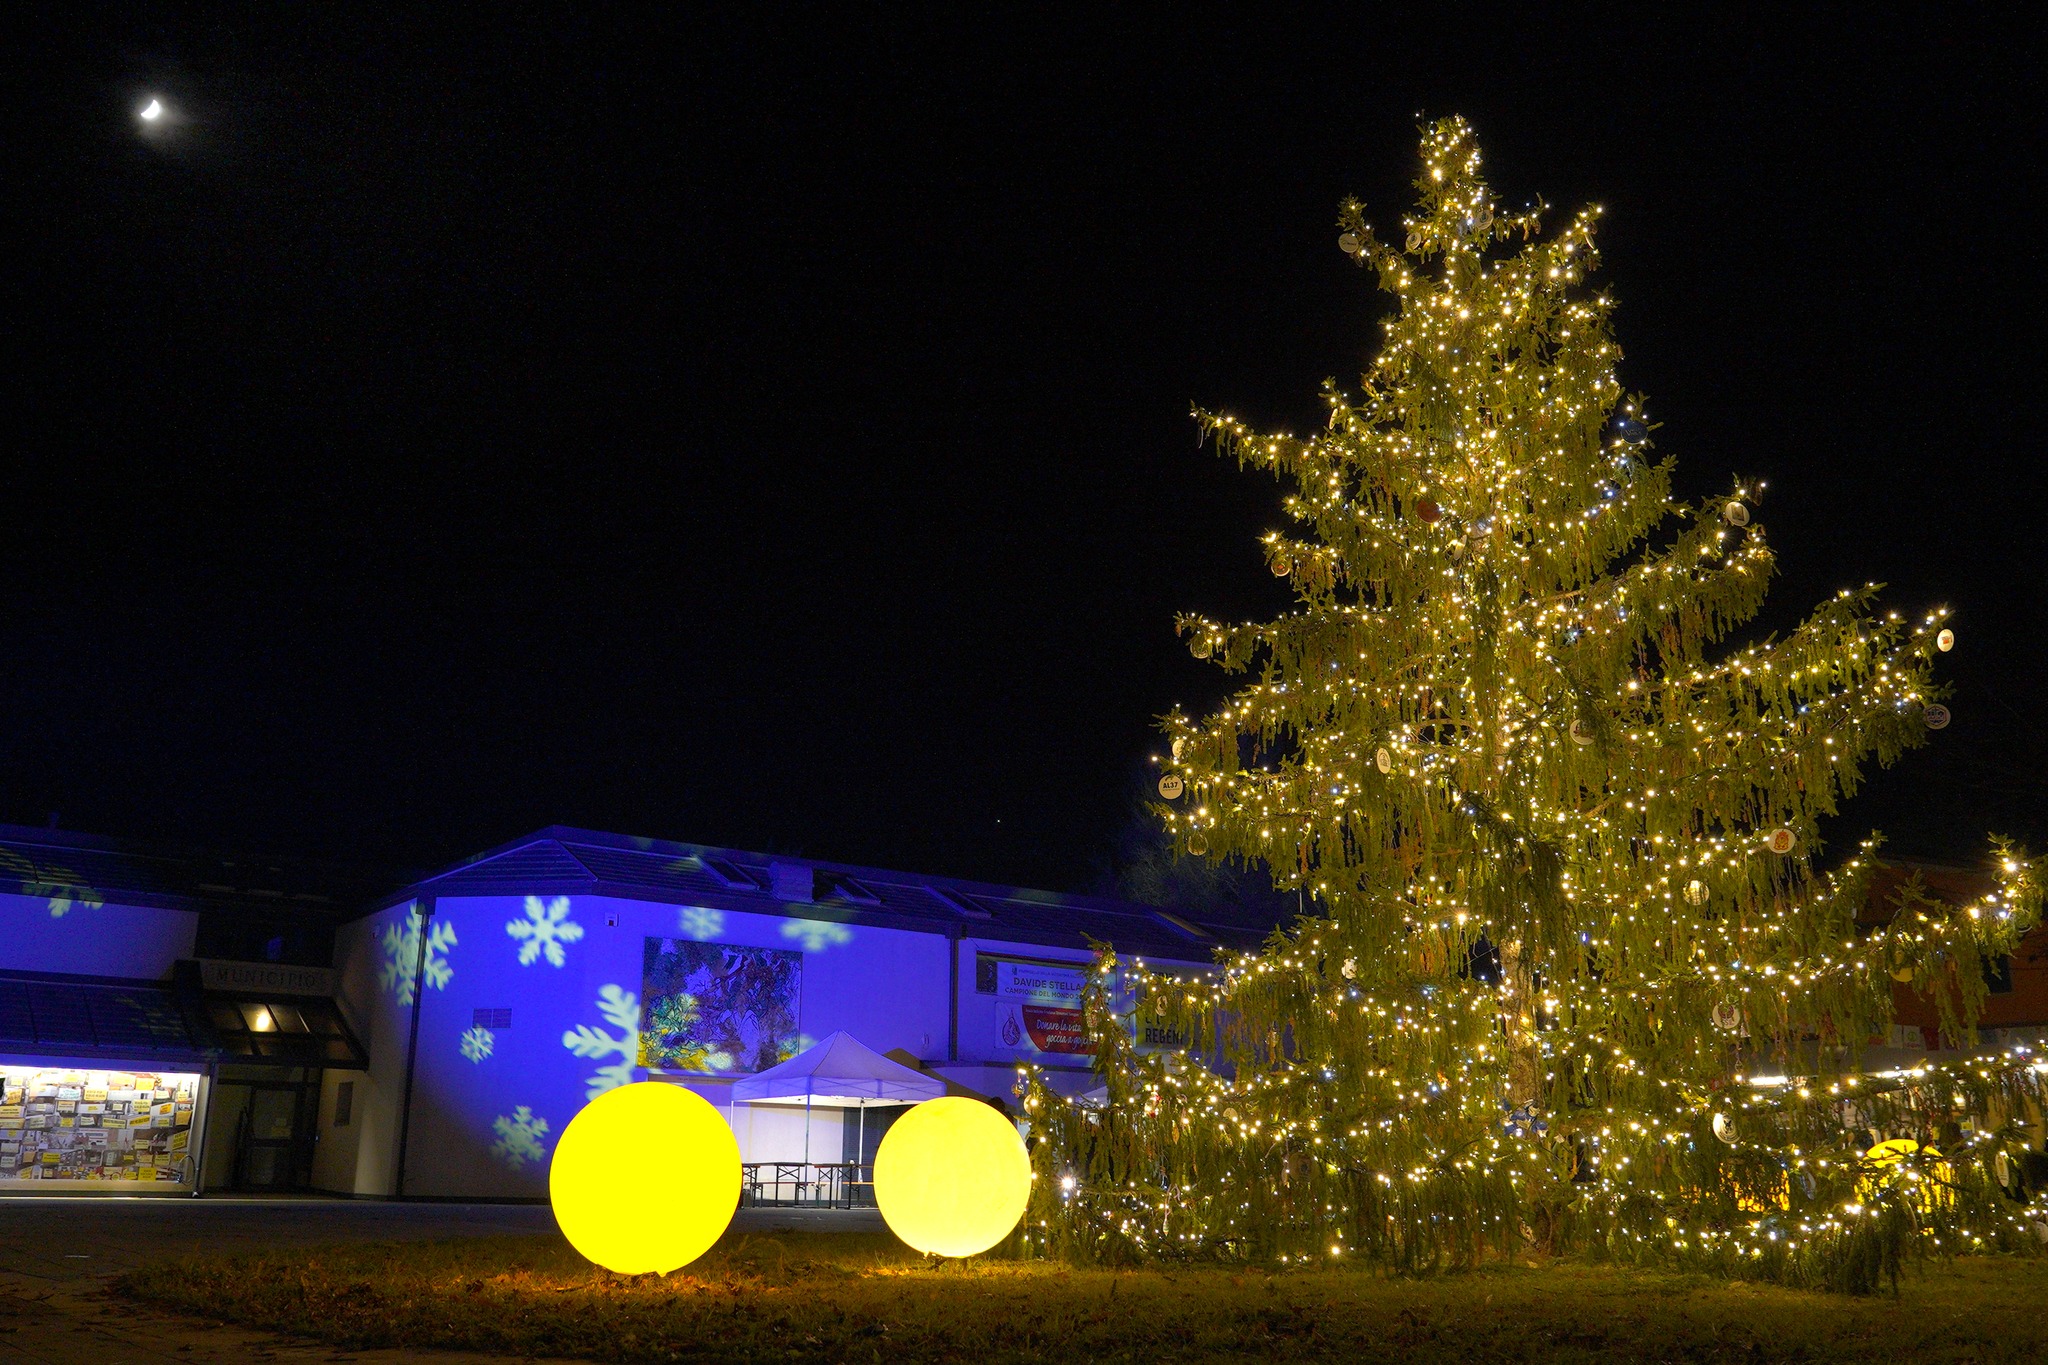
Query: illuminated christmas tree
{"points": [[1573, 980]]}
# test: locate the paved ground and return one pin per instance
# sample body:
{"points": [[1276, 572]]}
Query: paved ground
{"points": [[56, 1256]]}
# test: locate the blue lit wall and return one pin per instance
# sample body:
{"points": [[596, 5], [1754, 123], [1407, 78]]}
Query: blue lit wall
{"points": [[71, 929], [489, 1100]]}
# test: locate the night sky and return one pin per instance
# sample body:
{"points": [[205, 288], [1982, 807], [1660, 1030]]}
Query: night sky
{"points": [[778, 437]]}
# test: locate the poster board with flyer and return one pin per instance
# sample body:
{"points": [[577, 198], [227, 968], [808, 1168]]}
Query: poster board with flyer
{"points": [[1036, 1010], [74, 1128]]}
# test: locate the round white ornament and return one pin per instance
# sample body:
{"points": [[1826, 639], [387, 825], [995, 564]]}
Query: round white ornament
{"points": [[1350, 244], [1696, 892], [1200, 646], [1280, 566], [1734, 513], [1350, 969], [1727, 1016], [1581, 732], [1935, 717], [1383, 760], [1724, 1129], [1170, 786], [1782, 841], [1945, 641], [1198, 843]]}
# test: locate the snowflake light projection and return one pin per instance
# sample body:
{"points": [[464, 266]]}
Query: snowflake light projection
{"points": [[402, 956], [60, 885], [701, 924], [522, 1137], [620, 1007], [478, 1042], [545, 929], [817, 935]]}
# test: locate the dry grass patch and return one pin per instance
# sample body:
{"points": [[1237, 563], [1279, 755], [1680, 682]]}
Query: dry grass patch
{"points": [[860, 1297]]}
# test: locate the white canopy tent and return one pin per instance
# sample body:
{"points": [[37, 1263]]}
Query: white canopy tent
{"points": [[841, 1072]]}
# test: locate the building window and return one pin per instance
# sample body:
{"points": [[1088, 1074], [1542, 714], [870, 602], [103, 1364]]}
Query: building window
{"points": [[344, 1103]]}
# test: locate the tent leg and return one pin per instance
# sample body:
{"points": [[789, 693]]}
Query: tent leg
{"points": [[807, 1136], [860, 1156]]}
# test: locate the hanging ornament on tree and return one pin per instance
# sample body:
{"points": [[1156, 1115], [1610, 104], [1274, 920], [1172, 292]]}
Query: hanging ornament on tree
{"points": [[1198, 843], [1350, 244], [1581, 732], [1280, 565], [1945, 641], [2004, 1172], [1350, 969], [1782, 841], [1734, 513], [1415, 242], [1180, 745], [1383, 760], [1724, 1129], [1696, 892], [1902, 974], [1935, 717], [1200, 646], [1627, 428], [1428, 511], [1170, 786], [1727, 1016]]}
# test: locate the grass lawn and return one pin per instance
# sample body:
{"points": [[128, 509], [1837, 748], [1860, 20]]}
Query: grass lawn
{"points": [[861, 1297]]}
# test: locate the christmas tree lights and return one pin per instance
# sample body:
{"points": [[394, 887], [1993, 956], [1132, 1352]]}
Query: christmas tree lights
{"points": [[1573, 980]]}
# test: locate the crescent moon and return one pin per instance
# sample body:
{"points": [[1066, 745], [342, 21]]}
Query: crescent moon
{"points": [[152, 111]]}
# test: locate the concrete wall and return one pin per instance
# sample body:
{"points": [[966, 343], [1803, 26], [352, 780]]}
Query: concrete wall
{"points": [[337, 1147], [370, 1000], [69, 931]]}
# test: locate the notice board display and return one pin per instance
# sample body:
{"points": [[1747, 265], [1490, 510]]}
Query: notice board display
{"points": [[94, 1127]]}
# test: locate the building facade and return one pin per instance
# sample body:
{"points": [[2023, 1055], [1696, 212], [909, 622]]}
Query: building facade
{"points": [[452, 1031]]}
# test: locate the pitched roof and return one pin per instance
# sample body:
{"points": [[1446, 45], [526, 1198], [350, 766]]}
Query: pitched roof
{"points": [[91, 870], [563, 861]]}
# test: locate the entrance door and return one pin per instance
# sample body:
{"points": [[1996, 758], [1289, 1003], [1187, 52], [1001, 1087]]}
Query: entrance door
{"points": [[274, 1135]]}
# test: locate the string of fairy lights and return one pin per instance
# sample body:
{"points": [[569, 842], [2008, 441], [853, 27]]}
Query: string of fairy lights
{"points": [[1573, 980]]}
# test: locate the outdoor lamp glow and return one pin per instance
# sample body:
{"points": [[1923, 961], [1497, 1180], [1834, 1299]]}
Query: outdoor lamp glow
{"points": [[952, 1177], [645, 1178]]}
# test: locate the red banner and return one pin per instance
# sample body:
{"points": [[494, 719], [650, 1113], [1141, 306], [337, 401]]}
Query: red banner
{"points": [[1055, 1030]]}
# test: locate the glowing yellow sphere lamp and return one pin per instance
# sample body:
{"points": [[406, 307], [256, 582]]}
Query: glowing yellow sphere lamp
{"points": [[645, 1178], [952, 1177], [1892, 1152]]}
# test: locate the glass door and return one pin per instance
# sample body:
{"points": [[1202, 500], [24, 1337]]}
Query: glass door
{"points": [[273, 1139]]}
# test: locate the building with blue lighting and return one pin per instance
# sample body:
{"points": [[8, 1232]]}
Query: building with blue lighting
{"points": [[179, 1023]]}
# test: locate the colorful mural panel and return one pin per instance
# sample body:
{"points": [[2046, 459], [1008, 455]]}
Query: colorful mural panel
{"points": [[718, 1008]]}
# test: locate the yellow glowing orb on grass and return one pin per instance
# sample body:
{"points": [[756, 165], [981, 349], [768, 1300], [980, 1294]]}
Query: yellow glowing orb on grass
{"points": [[951, 1177], [645, 1178], [1932, 1186]]}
